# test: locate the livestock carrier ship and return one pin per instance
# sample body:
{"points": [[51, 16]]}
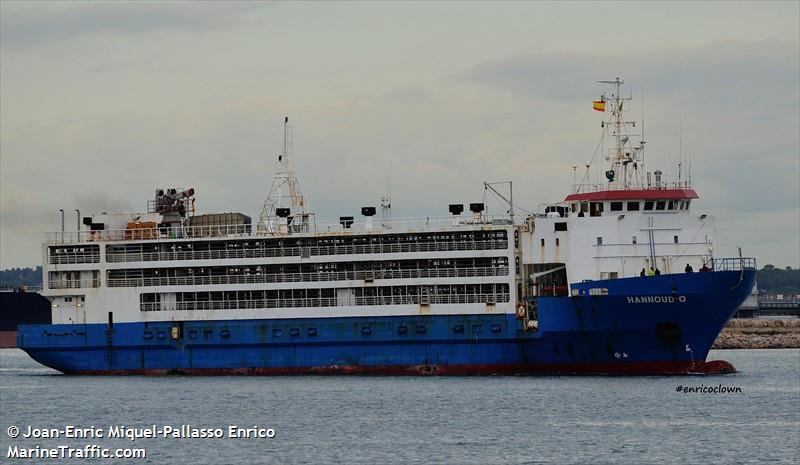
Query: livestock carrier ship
{"points": [[595, 283]]}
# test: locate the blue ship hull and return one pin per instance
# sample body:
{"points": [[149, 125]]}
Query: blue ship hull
{"points": [[660, 324]]}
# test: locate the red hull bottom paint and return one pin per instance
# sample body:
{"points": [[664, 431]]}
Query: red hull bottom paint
{"points": [[653, 368], [8, 339]]}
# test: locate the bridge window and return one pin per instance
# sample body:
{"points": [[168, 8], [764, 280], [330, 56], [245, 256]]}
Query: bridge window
{"points": [[670, 205], [599, 241], [648, 205], [560, 226], [616, 206], [633, 206], [660, 205]]}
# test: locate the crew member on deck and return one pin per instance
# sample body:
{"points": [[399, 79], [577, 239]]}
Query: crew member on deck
{"points": [[705, 268], [689, 268], [642, 273], [650, 271], [658, 272]]}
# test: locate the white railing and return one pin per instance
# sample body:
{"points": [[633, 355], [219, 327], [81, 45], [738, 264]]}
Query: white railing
{"points": [[667, 182], [325, 302], [74, 258], [199, 280], [733, 264], [402, 225], [117, 257], [73, 284]]}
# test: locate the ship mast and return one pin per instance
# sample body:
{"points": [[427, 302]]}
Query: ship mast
{"points": [[627, 160], [285, 192]]}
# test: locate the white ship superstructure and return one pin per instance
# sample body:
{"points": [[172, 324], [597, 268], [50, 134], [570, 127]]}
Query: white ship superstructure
{"points": [[425, 267]]}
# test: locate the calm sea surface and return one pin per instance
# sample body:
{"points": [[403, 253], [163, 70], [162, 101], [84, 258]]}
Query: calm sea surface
{"points": [[375, 420]]}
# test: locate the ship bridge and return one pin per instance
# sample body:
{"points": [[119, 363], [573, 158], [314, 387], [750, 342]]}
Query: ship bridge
{"points": [[614, 202], [621, 222], [614, 233]]}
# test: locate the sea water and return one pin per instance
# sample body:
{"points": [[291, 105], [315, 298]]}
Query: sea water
{"points": [[415, 420]]}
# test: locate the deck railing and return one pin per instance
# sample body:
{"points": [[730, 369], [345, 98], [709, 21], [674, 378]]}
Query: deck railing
{"points": [[76, 258], [325, 302], [116, 257], [73, 283], [733, 264], [199, 280], [667, 182], [400, 225]]}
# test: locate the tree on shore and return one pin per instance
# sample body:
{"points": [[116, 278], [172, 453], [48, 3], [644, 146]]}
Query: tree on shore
{"points": [[21, 277], [774, 280]]}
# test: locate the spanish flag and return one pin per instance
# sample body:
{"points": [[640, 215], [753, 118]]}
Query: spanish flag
{"points": [[599, 105]]}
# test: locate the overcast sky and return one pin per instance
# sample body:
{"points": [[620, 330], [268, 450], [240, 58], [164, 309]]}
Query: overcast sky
{"points": [[100, 103]]}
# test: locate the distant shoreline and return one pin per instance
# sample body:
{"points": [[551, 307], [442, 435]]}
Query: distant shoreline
{"points": [[759, 334]]}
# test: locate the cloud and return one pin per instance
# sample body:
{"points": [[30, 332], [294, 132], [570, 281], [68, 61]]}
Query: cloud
{"points": [[28, 25], [732, 72]]}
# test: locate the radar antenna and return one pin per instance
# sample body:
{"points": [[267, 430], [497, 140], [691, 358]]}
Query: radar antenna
{"points": [[627, 160]]}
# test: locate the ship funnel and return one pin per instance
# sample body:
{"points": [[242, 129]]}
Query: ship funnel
{"points": [[346, 221], [369, 212], [476, 209], [282, 215], [456, 209]]}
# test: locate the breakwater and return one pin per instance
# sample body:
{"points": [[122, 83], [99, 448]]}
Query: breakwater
{"points": [[759, 334]]}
